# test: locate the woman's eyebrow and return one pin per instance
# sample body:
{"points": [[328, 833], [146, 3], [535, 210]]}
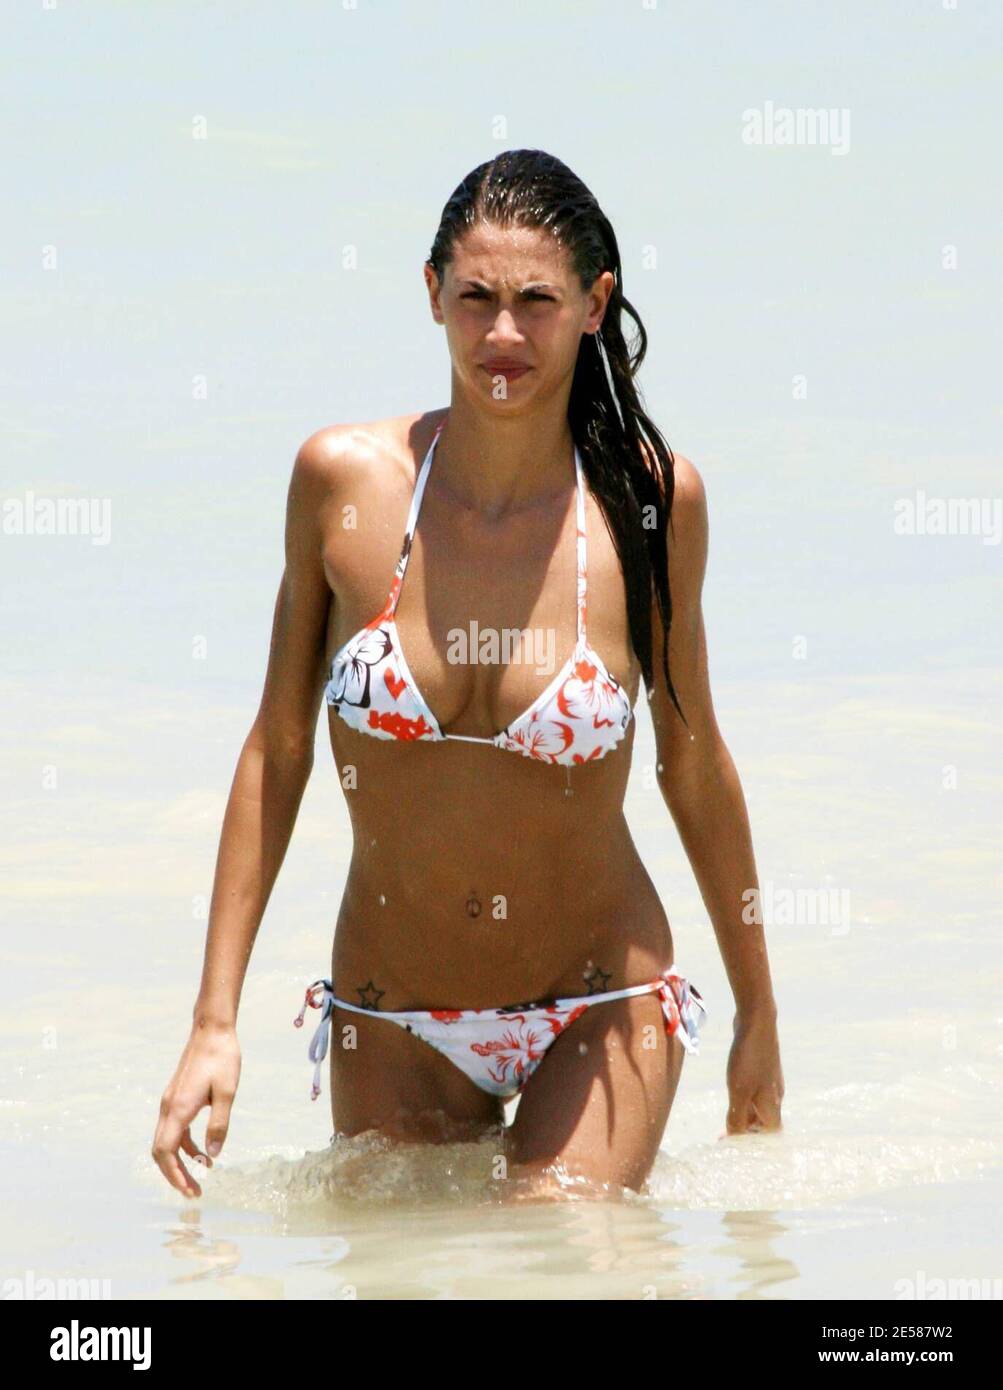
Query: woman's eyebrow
{"points": [[531, 285]]}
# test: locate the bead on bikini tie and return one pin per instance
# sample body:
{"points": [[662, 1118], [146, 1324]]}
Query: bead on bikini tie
{"points": [[308, 1002]]}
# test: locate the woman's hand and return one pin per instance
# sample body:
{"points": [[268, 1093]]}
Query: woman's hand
{"points": [[755, 1077], [206, 1075]]}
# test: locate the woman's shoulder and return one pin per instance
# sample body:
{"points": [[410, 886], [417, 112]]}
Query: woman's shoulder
{"points": [[688, 491], [355, 451]]}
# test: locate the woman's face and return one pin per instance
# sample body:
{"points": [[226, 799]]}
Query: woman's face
{"points": [[514, 313]]}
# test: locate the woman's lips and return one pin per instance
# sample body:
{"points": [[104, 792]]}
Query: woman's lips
{"points": [[509, 373]]}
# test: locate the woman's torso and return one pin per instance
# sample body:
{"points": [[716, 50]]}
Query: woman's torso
{"points": [[479, 876]]}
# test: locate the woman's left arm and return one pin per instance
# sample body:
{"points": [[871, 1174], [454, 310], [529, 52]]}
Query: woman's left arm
{"points": [[701, 788]]}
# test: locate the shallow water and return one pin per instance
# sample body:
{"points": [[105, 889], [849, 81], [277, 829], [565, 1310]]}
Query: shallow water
{"points": [[889, 1167], [198, 323]]}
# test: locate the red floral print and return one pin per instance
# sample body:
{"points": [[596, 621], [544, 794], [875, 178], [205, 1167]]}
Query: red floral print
{"points": [[500, 1049], [580, 717]]}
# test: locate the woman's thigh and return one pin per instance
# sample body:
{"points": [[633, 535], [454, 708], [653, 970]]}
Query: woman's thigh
{"points": [[599, 1101], [385, 1078]]}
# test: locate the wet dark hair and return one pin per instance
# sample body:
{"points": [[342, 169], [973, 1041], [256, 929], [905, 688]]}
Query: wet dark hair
{"points": [[529, 188]]}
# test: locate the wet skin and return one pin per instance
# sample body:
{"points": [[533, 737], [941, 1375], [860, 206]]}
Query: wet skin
{"points": [[478, 877]]}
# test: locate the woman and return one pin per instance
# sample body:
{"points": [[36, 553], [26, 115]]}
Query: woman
{"points": [[492, 862]]}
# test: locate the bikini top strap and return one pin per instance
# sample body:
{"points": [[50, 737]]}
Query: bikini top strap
{"points": [[412, 521], [582, 555], [581, 538]]}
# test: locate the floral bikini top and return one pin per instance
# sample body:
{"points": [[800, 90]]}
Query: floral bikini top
{"points": [[580, 716]]}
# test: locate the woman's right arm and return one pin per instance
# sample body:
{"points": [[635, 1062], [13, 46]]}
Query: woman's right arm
{"points": [[271, 776]]}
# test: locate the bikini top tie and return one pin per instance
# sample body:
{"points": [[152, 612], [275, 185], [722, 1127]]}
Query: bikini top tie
{"points": [[581, 715]]}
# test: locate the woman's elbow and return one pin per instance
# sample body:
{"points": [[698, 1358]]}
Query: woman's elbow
{"points": [[283, 745]]}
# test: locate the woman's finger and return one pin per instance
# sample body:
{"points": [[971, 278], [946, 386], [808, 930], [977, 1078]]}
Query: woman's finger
{"points": [[192, 1149], [219, 1119], [166, 1143]]}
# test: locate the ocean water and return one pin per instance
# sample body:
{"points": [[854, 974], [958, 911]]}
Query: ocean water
{"points": [[196, 278], [888, 1173]]}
